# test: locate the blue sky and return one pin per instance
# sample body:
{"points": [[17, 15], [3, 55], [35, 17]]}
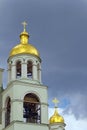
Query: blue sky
{"points": [[58, 29]]}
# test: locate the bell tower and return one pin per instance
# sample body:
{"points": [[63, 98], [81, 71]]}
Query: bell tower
{"points": [[25, 100]]}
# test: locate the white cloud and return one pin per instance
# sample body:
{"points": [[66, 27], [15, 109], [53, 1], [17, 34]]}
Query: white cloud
{"points": [[70, 120], [73, 124]]}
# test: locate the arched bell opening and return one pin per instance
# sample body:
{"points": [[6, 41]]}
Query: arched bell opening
{"points": [[8, 111], [32, 109], [18, 69], [29, 69]]}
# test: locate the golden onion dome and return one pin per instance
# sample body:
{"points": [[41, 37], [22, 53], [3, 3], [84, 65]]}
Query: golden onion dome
{"points": [[56, 118], [24, 47]]}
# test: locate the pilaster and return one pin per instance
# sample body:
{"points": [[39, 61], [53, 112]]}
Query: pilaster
{"points": [[34, 72], [16, 110], [13, 72], [9, 75], [44, 113], [24, 70]]}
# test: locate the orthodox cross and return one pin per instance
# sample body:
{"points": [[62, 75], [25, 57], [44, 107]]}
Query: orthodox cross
{"points": [[55, 101], [24, 24]]}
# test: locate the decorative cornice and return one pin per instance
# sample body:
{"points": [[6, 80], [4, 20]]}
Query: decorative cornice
{"points": [[16, 100]]}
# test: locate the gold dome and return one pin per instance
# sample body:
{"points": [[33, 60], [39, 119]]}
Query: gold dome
{"points": [[24, 47], [56, 118]]}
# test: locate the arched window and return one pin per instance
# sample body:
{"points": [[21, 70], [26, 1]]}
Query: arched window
{"points": [[29, 69], [8, 112], [31, 112], [18, 69]]}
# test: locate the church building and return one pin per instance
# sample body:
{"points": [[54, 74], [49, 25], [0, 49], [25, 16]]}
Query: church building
{"points": [[24, 102]]}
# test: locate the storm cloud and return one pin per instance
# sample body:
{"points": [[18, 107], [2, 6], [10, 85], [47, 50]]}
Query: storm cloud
{"points": [[58, 29]]}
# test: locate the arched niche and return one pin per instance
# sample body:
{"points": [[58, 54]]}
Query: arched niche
{"points": [[8, 111]]}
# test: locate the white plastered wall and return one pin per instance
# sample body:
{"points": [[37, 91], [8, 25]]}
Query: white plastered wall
{"points": [[16, 91]]}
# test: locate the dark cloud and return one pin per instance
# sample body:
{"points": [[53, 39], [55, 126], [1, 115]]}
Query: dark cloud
{"points": [[58, 28]]}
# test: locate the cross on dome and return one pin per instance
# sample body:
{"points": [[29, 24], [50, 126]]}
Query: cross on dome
{"points": [[55, 101], [24, 24]]}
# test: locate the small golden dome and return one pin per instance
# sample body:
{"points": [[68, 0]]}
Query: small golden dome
{"points": [[56, 118], [24, 47]]}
